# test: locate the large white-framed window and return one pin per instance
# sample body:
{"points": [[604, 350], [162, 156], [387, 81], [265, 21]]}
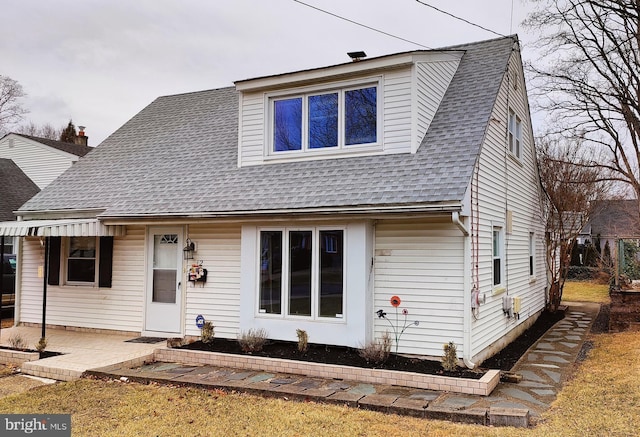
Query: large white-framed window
{"points": [[345, 117], [302, 272], [80, 259], [515, 134], [498, 256]]}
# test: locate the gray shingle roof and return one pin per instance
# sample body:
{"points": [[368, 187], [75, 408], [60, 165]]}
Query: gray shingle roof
{"points": [[74, 149], [15, 189], [179, 156]]}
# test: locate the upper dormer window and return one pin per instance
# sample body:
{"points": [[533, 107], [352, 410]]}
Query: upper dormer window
{"points": [[334, 119]]}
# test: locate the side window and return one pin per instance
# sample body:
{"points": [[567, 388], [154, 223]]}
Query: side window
{"points": [[515, 134], [532, 253], [498, 250], [81, 259]]}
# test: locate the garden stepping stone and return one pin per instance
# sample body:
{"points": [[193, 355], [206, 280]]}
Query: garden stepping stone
{"points": [[544, 392], [309, 383], [530, 376], [522, 395], [283, 381], [531, 384], [338, 386], [236, 376], [573, 337], [555, 359], [261, 377], [544, 346], [459, 402], [569, 345], [549, 366], [363, 389], [532, 357], [426, 396], [555, 376]]}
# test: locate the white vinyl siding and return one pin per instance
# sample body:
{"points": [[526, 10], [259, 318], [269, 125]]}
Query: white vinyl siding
{"points": [[218, 300], [405, 120], [119, 307], [508, 184], [422, 263], [42, 164]]}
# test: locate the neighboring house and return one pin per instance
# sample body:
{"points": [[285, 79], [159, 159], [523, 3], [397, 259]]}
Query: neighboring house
{"points": [[28, 164], [311, 198], [611, 220]]}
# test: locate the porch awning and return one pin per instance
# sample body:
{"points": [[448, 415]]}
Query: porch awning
{"points": [[60, 228]]}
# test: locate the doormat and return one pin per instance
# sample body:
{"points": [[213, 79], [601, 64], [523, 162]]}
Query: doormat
{"points": [[148, 340]]}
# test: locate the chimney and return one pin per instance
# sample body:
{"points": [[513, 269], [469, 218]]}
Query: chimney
{"points": [[81, 139]]}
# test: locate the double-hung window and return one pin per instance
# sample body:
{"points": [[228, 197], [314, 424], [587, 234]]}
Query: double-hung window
{"points": [[302, 272], [515, 134], [498, 254], [335, 119], [81, 259]]}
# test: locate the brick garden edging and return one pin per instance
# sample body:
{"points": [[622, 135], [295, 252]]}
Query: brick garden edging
{"points": [[9, 356], [483, 386]]}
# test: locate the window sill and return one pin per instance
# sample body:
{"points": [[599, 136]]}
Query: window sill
{"points": [[297, 319], [515, 159], [328, 153]]}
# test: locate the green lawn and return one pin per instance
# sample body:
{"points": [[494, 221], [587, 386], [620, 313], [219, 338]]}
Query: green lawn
{"points": [[585, 291]]}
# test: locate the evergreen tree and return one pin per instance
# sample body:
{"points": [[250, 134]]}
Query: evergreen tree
{"points": [[69, 133]]}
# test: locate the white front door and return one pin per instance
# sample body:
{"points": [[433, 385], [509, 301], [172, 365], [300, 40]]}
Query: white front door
{"points": [[163, 315]]}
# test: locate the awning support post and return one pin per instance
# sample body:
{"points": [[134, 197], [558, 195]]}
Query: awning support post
{"points": [[44, 286]]}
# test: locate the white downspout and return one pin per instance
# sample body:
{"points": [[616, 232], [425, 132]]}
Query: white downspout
{"points": [[466, 285]]}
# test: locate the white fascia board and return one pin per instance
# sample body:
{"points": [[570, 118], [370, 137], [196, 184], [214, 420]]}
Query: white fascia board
{"points": [[358, 68]]}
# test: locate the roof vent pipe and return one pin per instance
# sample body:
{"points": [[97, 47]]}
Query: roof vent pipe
{"points": [[357, 56]]}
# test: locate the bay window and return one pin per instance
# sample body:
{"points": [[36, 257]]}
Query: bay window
{"points": [[302, 272], [329, 120]]}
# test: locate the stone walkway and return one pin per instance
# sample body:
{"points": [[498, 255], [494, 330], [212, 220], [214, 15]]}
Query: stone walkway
{"points": [[543, 368]]}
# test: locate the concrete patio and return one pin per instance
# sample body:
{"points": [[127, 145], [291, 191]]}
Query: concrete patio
{"points": [[80, 350]]}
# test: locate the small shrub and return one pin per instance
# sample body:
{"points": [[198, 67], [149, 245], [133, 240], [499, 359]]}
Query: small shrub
{"points": [[450, 357], [376, 351], [17, 342], [252, 340], [303, 340], [582, 273], [41, 345], [207, 332]]}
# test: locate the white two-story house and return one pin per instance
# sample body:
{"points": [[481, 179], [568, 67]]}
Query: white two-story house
{"points": [[307, 200]]}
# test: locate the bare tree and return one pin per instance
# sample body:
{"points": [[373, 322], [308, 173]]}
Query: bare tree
{"points": [[572, 189], [44, 131], [11, 110], [589, 78]]}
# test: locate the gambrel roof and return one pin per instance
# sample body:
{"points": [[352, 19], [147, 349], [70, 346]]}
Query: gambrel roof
{"points": [[179, 157]]}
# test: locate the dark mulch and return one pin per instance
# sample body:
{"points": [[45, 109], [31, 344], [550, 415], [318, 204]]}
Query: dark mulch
{"points": [[509, 356], [346, 356], [340, 355]]}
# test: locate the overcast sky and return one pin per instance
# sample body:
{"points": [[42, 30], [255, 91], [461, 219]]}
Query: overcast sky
{"points": [[99, 62]]}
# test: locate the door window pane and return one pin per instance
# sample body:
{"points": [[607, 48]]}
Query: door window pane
{"points": [[270, 272], [300, 273], [323, 121], [165, 265], [81, 259], [287, 125], [361, 116], [331, 273]]}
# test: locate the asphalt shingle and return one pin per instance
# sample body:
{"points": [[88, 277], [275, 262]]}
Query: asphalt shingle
{"points": [[179, 156]]}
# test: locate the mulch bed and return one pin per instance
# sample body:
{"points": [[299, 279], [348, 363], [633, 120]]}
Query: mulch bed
{"points": [[43, 354], [346, 356]]}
